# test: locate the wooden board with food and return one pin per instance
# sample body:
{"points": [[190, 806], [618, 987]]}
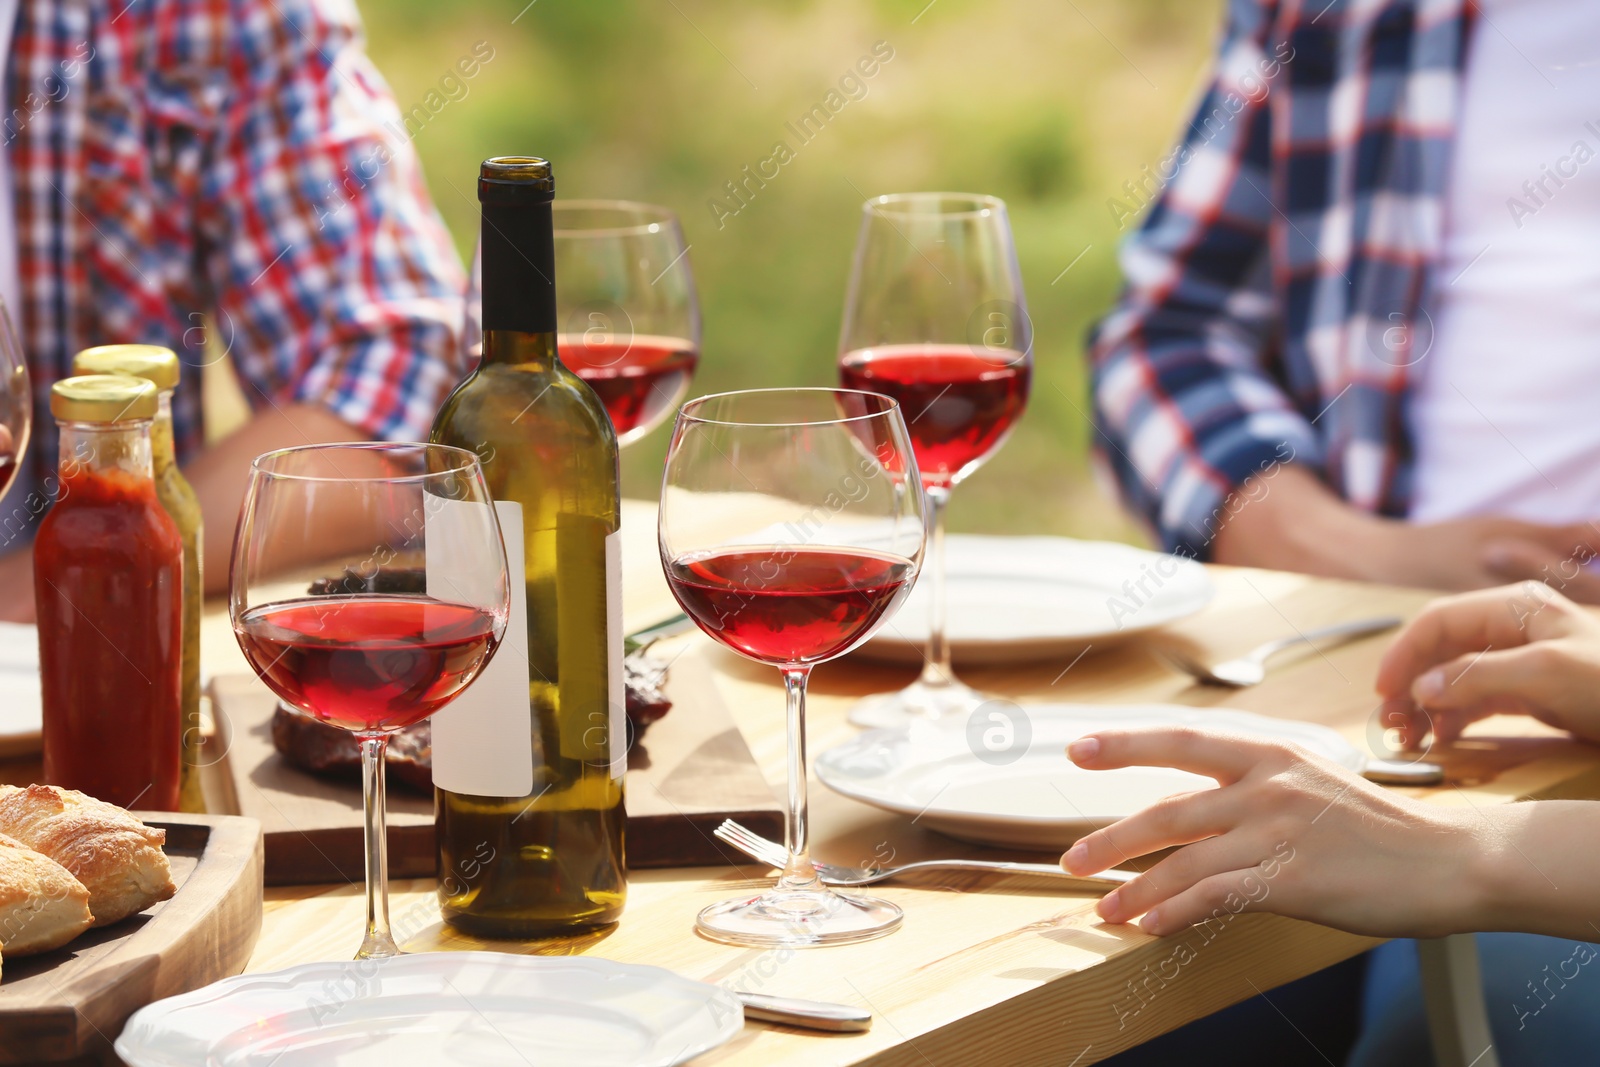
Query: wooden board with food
{"points": [[687, 771], [102, 911]]}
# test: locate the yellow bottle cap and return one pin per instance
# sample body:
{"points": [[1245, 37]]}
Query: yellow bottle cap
{"points": [[150, 362], [104, 398]]}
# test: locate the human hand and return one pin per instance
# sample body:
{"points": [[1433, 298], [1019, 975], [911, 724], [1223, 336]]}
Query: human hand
{"points": [[16, 569], [16, 586], [1290, 520], [1287, 833], [1520, 649], [1484, 551]]}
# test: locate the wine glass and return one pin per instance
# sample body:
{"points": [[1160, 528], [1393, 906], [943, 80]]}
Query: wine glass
{"points": [[787, 536], [627, 315], [16, 403], [368, 589], [935, 317]]}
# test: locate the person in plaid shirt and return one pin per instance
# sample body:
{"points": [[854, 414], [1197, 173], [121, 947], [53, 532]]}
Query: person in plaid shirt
{"points": [[1313, 355], [1356, 340], [231, 171]]}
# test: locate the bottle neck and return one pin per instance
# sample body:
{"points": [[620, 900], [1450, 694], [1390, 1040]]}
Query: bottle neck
{"points": [[163, 451], [519, 291], [529, 352], [106, 447]]}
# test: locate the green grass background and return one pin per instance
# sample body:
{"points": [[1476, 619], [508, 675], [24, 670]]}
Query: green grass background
{"points": [[1050, 104]]}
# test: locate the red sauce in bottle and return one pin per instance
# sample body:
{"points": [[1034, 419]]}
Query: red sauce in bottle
{"points": [[108, 574]]}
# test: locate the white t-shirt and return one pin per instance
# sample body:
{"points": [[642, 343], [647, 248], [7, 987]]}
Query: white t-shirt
{"points": [[1506, 416]]}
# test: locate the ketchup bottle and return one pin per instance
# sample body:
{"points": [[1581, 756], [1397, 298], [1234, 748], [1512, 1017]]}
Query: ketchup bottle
{"points": [[159, 366], [108, 586]]}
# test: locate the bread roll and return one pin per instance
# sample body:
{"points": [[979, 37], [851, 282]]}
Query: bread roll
{"points": [[41, 905], [116, 857]]}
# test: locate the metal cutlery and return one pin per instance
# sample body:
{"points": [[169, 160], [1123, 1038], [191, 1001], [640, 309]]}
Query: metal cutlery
{"points": [[773, 854], [1251, 668], [1402, 772], [643, 639], [810, 1014]]}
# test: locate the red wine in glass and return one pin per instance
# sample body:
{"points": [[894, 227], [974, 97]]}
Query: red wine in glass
{"points": [[8, 471], [786, 605], [959, 401], [638, 379], [367, 663]]}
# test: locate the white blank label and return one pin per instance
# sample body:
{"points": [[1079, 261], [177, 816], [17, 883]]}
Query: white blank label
{"points": [[483, 740], [616, 683]]}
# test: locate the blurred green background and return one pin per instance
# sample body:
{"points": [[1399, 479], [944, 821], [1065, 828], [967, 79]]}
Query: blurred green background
{"points": [[1050, 105]]}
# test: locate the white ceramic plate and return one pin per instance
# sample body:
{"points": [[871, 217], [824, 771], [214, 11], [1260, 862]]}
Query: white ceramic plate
{"points": [[1016, 599], [19, 690], [483, 1009], [1006, 781]]}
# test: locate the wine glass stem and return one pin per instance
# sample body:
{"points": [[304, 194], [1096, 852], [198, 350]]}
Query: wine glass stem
{"points": [[936, 670], [378, 943], [798, 872]]}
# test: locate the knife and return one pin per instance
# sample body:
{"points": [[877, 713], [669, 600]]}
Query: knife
{"points": [[810, 1014], [639, 639]]}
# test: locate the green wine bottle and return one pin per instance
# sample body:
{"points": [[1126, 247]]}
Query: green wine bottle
{"points": [[528, 762]]}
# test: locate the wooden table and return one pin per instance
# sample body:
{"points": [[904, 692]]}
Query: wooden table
{"points": [[1004, 969]]}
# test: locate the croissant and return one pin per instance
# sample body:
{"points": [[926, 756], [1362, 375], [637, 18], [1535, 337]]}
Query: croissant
{"points": [[116, 857], [41, 905]]}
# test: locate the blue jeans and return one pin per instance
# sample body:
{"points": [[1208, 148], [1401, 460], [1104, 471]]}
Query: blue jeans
{"points": [[1310, 1021], [1542, 995]]}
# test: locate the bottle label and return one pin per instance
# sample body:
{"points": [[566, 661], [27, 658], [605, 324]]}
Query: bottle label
{"points": [[483, 740], [618, 685]]}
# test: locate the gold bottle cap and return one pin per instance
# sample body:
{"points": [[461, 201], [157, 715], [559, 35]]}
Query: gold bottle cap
{"points": [[150, 362], [104, 398]]}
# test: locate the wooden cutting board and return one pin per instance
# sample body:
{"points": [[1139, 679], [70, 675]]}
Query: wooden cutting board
{"points": [[690, 771], [67, 1006]]}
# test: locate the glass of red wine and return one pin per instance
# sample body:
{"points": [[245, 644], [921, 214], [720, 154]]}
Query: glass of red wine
{"points": [[16, 403], [791, 528], [935, 317], [628, 318], [368, 589]]}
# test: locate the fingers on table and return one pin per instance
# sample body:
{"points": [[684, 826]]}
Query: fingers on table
{"points": [[1181, 872], [1215, 754], [1497, 677], [1175, 820], [1559, 562], [1457, 626], [1225, 893], [1410, 722]]}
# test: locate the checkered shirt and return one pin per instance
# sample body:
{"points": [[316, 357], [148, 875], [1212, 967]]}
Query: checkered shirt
{"points": [[1276, 299]]}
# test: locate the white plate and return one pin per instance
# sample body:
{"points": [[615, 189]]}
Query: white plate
{"points": [[436, 1009], [1006, 781], [20, 708], [1016, 599]]}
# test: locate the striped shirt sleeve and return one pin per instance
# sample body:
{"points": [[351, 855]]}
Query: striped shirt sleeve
{"points": [[334, 274], [1186, 404]]}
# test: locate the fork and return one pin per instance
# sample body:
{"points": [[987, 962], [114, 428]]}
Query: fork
{"points": [[773, 854], [1251, 668]]}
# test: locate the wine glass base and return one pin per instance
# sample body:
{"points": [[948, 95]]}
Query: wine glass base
{"points": [[378, 948], [799, 919], [918, 702]]}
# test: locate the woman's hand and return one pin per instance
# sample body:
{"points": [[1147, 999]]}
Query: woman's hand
{"points": [[1521, 649], [16, 585], [1287, 833]]}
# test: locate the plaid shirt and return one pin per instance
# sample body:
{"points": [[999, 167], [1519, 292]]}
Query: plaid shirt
{"points": [[237, 159], [1276, 302]]}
